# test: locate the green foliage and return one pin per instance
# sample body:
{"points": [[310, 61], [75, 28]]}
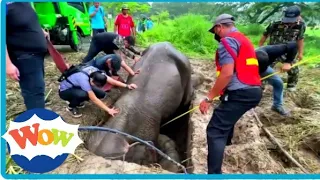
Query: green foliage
{"points": [[252, 29], [189, 33], [247, 12], [160, 17], [135, 7]]}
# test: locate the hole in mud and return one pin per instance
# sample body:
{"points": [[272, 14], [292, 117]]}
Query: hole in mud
{"points": [[178, 131], [312, 144], [304, 99], [173, 141], [278, 156]]}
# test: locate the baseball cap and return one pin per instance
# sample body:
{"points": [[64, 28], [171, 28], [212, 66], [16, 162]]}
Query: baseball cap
{"points": [[115, 62], [222, 19], [291, 14], [125, 6]]}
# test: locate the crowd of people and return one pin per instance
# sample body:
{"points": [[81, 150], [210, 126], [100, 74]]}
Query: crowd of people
{"points": [[239, 67], [124, 23]]}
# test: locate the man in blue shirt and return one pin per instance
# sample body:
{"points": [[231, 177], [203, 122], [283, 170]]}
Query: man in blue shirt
{"points": [[84, 86], [239, 84], [149, 23], [98, 19]]}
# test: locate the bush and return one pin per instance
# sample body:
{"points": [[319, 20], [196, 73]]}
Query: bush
{"points": [[252, 29], [189, 33]]}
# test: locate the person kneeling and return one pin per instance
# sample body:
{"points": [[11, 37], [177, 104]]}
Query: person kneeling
{"points": [[111, 64], [83, 84], [266, 56]]}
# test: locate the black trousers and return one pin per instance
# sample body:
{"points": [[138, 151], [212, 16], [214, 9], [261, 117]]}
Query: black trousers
{"points": [[75, 96], [221, 126], [96, 31], [31, 82], [94, 49]]}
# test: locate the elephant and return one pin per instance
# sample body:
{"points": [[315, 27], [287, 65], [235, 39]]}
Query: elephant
{"points": [[164, 86]]}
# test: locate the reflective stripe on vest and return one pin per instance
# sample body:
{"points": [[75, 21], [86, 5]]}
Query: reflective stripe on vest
{"points": [[249, 62]]}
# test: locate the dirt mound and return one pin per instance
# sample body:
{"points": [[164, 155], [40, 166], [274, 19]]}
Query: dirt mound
{"points": [[92, 164]]}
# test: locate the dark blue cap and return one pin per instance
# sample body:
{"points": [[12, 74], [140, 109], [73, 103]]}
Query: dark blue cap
{"points": [[291, 14], [115, 62]]}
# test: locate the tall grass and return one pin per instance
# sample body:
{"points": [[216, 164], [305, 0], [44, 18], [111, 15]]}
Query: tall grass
{"points": [[189, 33]]}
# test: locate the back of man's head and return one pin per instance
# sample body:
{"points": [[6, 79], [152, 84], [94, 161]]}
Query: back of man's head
{"points": [[115, 62], [98, 78], [130, 40]]}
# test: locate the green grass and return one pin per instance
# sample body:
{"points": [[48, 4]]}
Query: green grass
{"points": [[189, 33], [313, 32]]}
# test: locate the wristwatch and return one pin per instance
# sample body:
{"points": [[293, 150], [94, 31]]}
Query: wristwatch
{"points": [[208, 100]]}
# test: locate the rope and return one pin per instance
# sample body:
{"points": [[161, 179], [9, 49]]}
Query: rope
{"points": [[266, 77], [296, 64], [94, 128]]}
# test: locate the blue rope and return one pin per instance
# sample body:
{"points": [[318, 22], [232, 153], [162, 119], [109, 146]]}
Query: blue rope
{"points": [[95, 128]]}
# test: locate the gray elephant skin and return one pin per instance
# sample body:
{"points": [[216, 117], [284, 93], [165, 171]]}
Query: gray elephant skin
{"points": [[164, 87]]}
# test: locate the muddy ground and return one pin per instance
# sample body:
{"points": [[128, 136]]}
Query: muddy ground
{"points": [[251, 152]]}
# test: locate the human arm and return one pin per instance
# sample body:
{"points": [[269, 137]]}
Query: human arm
{"points": [[83, 82], [46, 34], [227, 69], [128, 69], [301, 42], [265, 35], [104, 18], [99, 103], [125, 52], [11, 70], [133, 29], [291, 52], [120, 84], [132, 49], [105, 21], [116, 23], [92, 11]]}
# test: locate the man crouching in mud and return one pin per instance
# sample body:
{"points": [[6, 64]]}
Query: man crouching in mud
{"points": [[83, 83], [238, 83], [266, 56]]}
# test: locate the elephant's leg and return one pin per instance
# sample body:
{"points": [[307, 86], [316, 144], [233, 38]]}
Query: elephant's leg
{"points": [[168, 146], [197, 79]]}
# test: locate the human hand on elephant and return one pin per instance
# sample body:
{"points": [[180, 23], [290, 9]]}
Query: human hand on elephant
{"points": [[132, 86], [137, 72], [204, 106], [136, 59], [113, 111]]}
